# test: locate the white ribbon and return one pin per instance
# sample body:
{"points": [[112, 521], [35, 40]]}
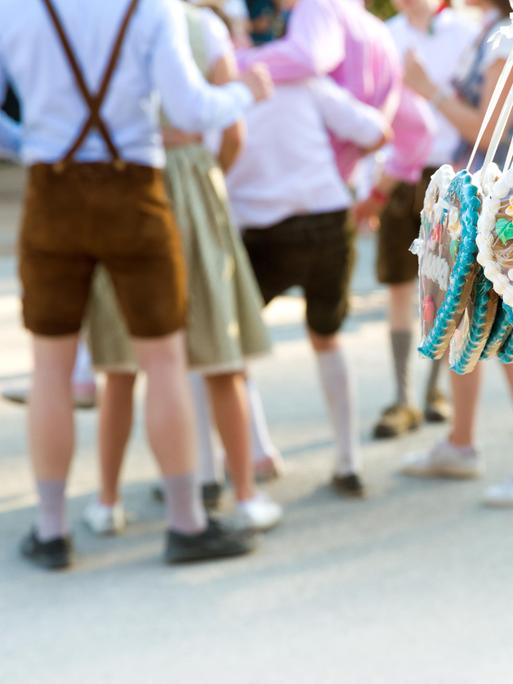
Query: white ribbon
{"points": [[502, 122]]}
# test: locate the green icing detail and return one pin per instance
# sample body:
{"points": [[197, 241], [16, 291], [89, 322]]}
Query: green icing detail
{"points": [[454, 247], [504, 230]]}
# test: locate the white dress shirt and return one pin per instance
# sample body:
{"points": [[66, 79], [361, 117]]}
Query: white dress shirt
{"points": [[440, 50], [10, 137], [155, 59], [288, 165]]}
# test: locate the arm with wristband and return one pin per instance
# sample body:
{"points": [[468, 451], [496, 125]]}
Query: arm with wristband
{"points": [[409, 154]]}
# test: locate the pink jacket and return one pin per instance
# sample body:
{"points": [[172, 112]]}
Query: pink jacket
{"points": [[341, 38]]}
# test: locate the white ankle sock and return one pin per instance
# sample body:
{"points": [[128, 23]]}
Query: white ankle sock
{"points": [[261, 442], [338, 390], [51, 521], [211, 466], [83, 373], [184, 509]]}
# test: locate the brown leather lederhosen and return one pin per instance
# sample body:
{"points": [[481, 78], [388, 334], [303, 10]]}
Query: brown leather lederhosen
{"points": [[116, 213], [399, 227]]}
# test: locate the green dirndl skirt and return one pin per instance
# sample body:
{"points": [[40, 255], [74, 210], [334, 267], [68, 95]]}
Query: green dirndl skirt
{"points": [[224, 325]]}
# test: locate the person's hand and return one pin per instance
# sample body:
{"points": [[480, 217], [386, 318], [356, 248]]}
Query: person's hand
{"points": [[258, 79], [366, 215], [416, 78], [367, 212], [386, 137]]}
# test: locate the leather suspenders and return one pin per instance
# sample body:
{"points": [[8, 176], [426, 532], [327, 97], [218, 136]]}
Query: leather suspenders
{"points": [[94, 102]]}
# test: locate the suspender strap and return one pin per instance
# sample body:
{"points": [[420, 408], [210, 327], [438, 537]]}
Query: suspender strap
{"points": [[93, 102]]}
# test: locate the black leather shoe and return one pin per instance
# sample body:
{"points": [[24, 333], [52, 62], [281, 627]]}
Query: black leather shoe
{"points": [[51, 555], [211, 492], [349, 485], [217, 541]]}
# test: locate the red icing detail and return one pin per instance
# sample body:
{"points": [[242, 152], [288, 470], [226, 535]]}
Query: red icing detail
{"points": [[436, 232], [428, 309]]}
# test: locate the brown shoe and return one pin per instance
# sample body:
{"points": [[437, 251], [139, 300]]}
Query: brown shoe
{"points": [[396, 420], [349, 485], [438, 408]]}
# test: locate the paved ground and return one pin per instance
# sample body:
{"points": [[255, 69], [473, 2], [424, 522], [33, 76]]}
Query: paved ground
{"points": [[413, 586]]}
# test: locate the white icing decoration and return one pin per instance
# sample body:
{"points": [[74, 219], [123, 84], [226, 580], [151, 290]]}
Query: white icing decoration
{"points": [[481, 242], [487, 254], [500, 284], [436, 269], [481, 259], [491, 270], [510, 274], [508, 295], [501, 188]]}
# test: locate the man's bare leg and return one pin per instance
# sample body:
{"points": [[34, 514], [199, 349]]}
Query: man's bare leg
{"points": [[171, 429], [51, 429]]}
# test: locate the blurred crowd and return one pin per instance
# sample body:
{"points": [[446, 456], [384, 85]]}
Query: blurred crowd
{"points": [[283, 129]]}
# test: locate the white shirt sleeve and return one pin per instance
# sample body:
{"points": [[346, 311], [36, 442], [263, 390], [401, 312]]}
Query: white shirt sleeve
{"points": [[345, 116], [216, 37], [492, 53], [188, 100], [10, 137], [236, 9], [10, 131], [3, 85]]}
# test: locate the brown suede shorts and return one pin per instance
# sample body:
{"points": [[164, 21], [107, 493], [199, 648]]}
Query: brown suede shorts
{"points": [[400, 225], [89, 214], [314, 252]]}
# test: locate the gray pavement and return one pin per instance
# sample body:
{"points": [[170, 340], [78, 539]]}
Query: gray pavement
{"points": [[412, 586]]}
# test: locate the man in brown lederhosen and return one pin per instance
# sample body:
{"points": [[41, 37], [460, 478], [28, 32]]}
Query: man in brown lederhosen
{"points": [[88, 77]]}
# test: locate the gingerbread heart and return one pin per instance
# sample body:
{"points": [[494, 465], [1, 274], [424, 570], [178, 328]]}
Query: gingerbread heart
{"points": [[474, 329], [495, 237], [446, 248]]}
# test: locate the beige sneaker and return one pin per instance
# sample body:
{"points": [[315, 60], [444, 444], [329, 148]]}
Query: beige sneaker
{"points": [[444, 460], [396, 420]]}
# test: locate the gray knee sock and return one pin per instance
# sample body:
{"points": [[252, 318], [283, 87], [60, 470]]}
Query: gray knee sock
{"points": [[184, 508], [51, 520], [401, 351], [433, 377]]}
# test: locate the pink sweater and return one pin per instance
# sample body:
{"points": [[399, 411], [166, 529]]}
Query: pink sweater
{"points": [[341, 38]]}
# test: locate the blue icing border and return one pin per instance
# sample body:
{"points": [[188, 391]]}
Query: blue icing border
{"points": [[509, 311], [484, 297], [461, 186], [501, 329], [505, 354]]}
